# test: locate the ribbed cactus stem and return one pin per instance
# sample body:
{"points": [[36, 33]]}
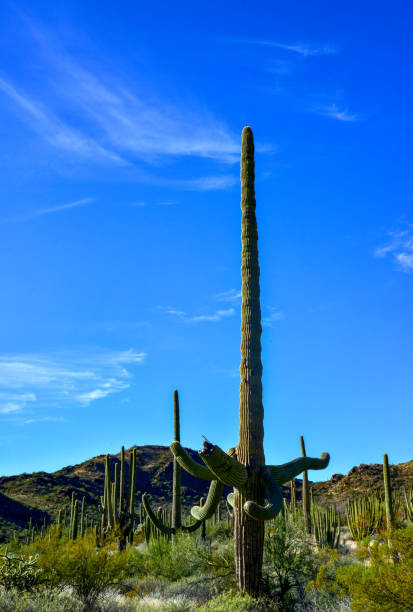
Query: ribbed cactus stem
{"points": [[109, 498], [203, 526], [176, 483], [122, 480], [115, 491], [248, 532], [388, 493], [75, 525], [132, 493], [305, 492], [82, 518]]}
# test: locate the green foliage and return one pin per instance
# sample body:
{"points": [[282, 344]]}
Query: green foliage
{"points": [[234, 602], [175, 560], [383, 583], [387, 583], [289, 555], [78, 564], [20, 573]]}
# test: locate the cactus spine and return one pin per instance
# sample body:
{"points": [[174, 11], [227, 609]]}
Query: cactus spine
{"points": [[388, 493]]}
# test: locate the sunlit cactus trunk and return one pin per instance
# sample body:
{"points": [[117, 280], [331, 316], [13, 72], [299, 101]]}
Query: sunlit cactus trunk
{"points": [[249, 533]]}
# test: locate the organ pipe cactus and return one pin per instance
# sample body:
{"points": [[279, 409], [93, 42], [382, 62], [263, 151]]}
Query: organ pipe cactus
{"points": [[201, 514], [326, 526], [257, 493]]}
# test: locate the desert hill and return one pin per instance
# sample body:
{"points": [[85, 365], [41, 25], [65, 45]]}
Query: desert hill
{"points": [[40, 495]]}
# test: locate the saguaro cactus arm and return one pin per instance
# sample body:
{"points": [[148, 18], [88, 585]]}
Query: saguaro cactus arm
{"points": [[274, 498], [225, 466], [154, 519], [187, 463], [287, 471], [201, 513]]}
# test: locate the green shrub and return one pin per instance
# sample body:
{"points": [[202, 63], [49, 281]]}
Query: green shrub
{"points": [[20, 573], [387, 583], [173, 561], [234, 602], [289, 559], [78, 564], [381, 582]]}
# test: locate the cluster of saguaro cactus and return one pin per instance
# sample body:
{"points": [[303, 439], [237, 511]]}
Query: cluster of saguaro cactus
{"points": [[117, 506], [325, 526], [177, 524], [257, 493]]}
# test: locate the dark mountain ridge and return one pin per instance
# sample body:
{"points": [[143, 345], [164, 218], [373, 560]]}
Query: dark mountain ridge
{"points": [[41, 494]]}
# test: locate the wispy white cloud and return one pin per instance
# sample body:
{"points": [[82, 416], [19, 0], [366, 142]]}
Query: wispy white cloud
{"points": [[54, 130], [333, 111], [11, 402], [206, 183], [400, 248], [210, 317], [61, 379], [216, 316], [274, 315], [45, 419], [115, 120], [232, 295], [305, 50], [40, 212]]}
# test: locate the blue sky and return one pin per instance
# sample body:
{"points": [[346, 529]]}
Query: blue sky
{"points": [[120, 226]]}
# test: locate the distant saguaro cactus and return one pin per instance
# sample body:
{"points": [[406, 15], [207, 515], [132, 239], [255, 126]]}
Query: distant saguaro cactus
{"points": [[388, 493], [176, 525], [306, 492], [257, 490], [117, 508]]}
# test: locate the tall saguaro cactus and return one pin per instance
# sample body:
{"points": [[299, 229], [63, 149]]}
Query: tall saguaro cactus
{"points": [[248, 532], [305, 492], [257, 494], [176, 483]]}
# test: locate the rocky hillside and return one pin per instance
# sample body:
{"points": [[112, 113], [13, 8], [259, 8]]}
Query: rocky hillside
{"points": [[40, 495]]}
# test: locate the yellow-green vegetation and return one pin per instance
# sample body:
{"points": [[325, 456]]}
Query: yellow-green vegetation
{"points": [[58, 574], [382, 580]]}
